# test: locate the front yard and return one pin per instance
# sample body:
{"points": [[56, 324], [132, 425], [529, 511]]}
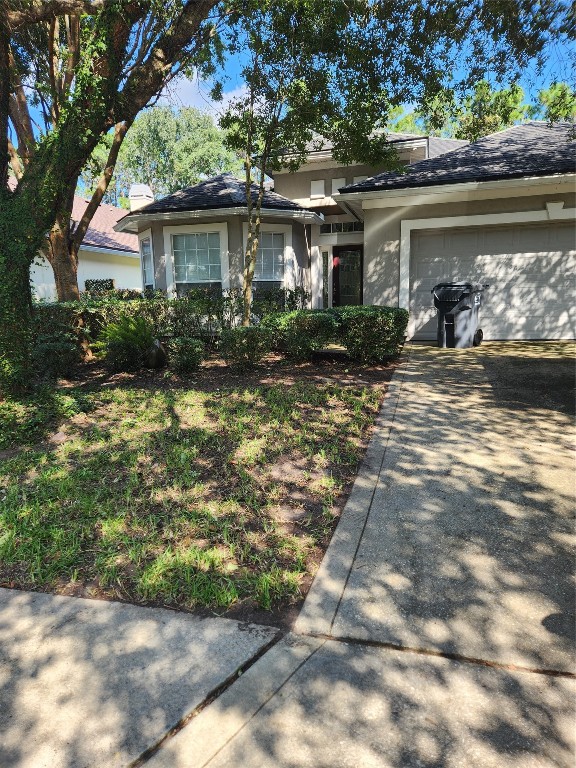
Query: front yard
{"points": [[218, 492]]}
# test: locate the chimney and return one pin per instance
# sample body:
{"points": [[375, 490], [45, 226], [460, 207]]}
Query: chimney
{"points": [[139, 196]]}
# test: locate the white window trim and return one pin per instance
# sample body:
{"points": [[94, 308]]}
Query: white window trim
{"points": [[289, 280], [193, 229], [146, 235], [554, 211]]}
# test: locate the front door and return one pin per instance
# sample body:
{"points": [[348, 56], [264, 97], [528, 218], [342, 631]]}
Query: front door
{"points": [[347, 275]]}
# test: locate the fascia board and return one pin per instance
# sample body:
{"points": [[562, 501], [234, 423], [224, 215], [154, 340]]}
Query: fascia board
{"points": [[131, 224], [394, 198], [110, 251]]}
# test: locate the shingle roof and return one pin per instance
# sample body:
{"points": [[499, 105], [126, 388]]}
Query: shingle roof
{"points": [[224, 191], [438, 146], [101, 232], [532, 149]]}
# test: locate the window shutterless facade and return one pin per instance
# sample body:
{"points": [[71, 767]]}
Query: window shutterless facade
{"points": [[198, 257]]}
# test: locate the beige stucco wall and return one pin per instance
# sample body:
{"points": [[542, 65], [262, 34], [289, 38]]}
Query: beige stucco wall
{"points": [[235, 226], [296, 185], [93, 265], [382, 235]]}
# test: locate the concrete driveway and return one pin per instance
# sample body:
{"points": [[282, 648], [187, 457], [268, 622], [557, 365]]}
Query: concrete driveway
{"points": [[439, 631]]}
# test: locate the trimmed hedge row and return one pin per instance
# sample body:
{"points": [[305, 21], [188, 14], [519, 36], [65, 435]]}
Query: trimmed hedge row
{"points": [[370, 334], [125, 330]]}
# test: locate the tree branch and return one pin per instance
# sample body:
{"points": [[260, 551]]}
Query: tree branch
{"points": [[15, 162], [4, 97], [80, 232], [46, 10]]}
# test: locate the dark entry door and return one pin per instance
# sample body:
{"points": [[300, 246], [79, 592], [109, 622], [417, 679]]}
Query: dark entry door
{"points": [[347, 275]]}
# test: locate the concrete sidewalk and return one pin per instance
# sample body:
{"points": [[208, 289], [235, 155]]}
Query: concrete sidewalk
{"points": [[439, 631], [93, 683]]}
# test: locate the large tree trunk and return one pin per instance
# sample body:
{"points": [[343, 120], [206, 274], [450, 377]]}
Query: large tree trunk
{"points": [[63, 255], [17, 251]]}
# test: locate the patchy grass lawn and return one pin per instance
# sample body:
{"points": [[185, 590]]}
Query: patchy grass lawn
{"points": [[220, 494]]}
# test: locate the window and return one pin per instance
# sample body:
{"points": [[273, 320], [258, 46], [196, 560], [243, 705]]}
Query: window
{"points": [[147, 263], [336, 184], [336, 227], [197, 257], [317, 188], [270, 257], [358, 179]]}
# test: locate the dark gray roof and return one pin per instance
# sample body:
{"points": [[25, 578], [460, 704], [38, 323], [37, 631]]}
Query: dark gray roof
{"points": [[224, 191], [321, 144], [532, 149], [438, 146]]}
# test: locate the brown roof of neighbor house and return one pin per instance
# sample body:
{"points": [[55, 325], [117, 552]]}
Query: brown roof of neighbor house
{"points": [[101, 232], [531, 149]]}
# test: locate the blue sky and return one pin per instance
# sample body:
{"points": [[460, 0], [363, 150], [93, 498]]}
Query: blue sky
{"points": [[558, 66]]}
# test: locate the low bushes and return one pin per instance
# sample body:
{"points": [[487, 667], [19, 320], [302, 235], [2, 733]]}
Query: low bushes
{"points": [[185, 354], [301, 333], [243, 348], [372, 334], [126, 329]]}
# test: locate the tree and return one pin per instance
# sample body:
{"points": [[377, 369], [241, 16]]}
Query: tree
{"points": [[486, 110], [167, 149], [337, 70], [95, 65]]}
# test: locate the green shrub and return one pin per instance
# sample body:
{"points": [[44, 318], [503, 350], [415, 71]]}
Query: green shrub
{"points": [[55, 354], [185, 354], [243, 348], [128, 342], [301, 333], [97, 286], [371, 334]]}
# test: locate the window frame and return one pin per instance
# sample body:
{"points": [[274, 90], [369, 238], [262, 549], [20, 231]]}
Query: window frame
{"points": [[146, 235], [289, 279], [219, 227]]}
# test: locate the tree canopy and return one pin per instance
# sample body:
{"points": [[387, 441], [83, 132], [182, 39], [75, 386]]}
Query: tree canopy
{"points": [[166, 148]]}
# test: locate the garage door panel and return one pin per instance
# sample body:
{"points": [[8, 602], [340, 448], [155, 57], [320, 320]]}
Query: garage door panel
{"points": [[530, 270]]}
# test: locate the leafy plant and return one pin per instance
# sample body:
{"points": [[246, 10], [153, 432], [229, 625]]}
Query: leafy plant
{"points": [[186, 354], [55, 354], [244, 347], [301, 333], [370, 333], [128, 342]]}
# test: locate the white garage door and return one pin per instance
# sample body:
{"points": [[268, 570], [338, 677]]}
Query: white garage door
{"points": [[531, 270]]}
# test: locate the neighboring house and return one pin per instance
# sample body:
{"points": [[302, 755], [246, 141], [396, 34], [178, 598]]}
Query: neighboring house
{"points": [[197, 237], [500, 211], [104, 254]]}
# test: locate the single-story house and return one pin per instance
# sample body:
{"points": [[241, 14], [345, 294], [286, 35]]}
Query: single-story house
{"points": [[500, 211], [104, 254], [197, 237]]}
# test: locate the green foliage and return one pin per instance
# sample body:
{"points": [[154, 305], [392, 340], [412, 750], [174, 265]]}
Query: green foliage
{"points": [[55, 354], [96, 287], [301, 333], [243, 348], [128, 342], [185, 354], [168, 149], [371, 334]]}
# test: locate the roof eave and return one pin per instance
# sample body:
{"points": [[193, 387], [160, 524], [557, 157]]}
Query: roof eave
{"points": [[462, 186], [131, 222]]}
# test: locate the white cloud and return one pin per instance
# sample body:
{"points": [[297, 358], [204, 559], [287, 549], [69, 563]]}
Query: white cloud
{"points": [[192, 92]]}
